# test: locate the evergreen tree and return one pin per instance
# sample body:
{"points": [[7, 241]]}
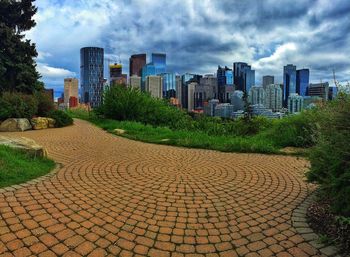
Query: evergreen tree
{"points": [[17, 66], [248, 114]]}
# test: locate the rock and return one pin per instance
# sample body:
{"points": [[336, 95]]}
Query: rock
{"points": [[25, 144], [165, 140], [119, 131], [43, 123], [52, 122], [15, 125]]}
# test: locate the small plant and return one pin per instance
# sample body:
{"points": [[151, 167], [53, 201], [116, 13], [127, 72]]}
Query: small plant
{"points": [[62, 119]]}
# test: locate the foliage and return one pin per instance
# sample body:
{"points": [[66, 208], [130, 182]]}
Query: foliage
{"points": [[62, 118], [330, 159], [17, 105], [122, 103], [17, 167], [17, 66], [45, 104]]}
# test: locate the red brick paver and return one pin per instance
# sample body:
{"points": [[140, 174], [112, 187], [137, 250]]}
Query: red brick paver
{"points": [[126, 198]]}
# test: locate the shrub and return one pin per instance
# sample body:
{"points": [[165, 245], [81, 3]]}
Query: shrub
{"points": [[45, 105], [62, 119], [330, 159], [122, 103], [17, 105]]}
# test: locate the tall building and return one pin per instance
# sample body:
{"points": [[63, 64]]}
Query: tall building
{"points": [[244, 76], [155, 67], [289, 81], [257, 95], [91, 75], [70, 89], [268, 80], [225, 80], [302, 82], [178, 82], [159, 62], [210, 84], [273, 97], [135, 82], [333, 92], [116, 75], [320, 90], [237, 100], [190, 94], [209, 109], [154, 85], [224, 110], [169, 85], [185, 80], [295, 103], [136, 63]]}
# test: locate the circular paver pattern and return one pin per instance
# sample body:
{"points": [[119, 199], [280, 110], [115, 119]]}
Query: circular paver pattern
{"points": [[117, 197]]}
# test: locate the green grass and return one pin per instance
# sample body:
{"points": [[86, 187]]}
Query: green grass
{"points": [[183, 138], [17, 167]]}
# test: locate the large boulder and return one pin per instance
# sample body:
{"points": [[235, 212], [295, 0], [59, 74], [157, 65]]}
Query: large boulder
{"points": [[15, 125], [43, 123], [25, 144]]}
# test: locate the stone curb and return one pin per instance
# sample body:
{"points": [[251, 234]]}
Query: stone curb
{"points": [[33, 181], [301, 225]]}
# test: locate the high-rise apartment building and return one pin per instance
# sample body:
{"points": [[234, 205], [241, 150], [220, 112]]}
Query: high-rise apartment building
{"points": [[91, 75], [289, 81], [210, 84], [190, 94], [295, 103], [256, 95], [185, 80], [136, 63], [302, 82], [273, 97], [155, 67], [135, 82], [268, 80], [70, 89], [116, 75], [154, 85], [244, 76], [178, 82]]}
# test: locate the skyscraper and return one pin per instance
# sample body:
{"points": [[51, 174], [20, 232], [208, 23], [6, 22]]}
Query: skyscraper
{"points": [[116, 75], [159, 62], [273, 97], [268, 80], [91, 75], [210, 86], [154, 85], [244, 76], [70, 89], [225, 80], [135, 82], [289, 81], [136, 63], [169, 85], [178, 89], [319, 89], [302, 81]]}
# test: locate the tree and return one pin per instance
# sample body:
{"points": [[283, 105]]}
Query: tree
{"points": [[17, 66], [247, 108]]}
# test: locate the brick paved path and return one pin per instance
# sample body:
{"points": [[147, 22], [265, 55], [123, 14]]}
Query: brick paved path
{"points": [[119, 197]]}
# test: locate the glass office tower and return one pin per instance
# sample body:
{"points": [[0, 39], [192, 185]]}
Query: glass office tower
{"points": [[136, 63], [289, 82], [159, 62], [302, 81], [244, 76], [169, 85], [91, 75]]}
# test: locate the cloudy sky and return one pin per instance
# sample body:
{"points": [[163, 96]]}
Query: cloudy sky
{"points": [[196, 35]]}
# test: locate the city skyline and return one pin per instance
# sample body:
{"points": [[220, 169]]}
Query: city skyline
{"points": [[197, 36]]}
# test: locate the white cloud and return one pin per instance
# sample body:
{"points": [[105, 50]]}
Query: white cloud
{"points": [[52, 72]]}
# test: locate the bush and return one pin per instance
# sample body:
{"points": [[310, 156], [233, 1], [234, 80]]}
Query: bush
{"points": [[62, 119], [122, 103], [330, 159], [17, 105], [45, 105]]}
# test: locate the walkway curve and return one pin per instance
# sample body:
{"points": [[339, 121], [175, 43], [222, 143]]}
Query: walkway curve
{"points": [[118, 197]]}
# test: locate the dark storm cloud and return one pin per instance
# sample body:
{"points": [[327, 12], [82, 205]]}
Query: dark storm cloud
{"points": [[199, 35]]}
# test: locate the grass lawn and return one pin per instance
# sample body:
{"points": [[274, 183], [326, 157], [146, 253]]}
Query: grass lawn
{"points": [[184, 138], [17, 167]]}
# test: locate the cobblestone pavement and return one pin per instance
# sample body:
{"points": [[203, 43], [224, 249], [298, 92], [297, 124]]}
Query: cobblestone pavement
{"points": [[119, 197]]}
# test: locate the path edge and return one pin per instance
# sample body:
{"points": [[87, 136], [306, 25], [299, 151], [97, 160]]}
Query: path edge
{"points": [[299, 222], [34, 181]]}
